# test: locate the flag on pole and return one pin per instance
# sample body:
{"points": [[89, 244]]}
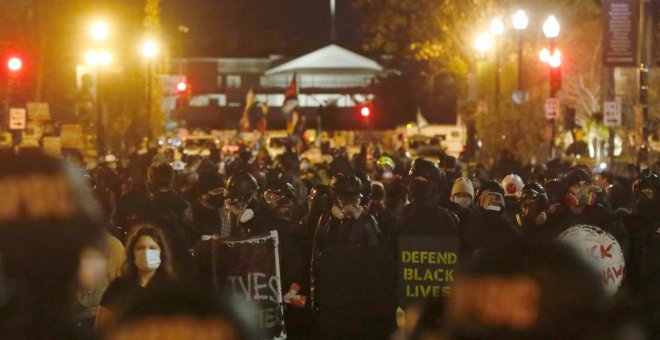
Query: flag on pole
{"points": [[421, 121], [290, 98], [262, 125], [245, 118]]}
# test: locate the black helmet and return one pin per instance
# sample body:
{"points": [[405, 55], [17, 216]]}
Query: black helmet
{"points": [[367, 187], [535, 191], [489, 186], [346, 185], [425, 168], [283, 186], [321, 197], [647, 179], [241, 184], [575, 175]]}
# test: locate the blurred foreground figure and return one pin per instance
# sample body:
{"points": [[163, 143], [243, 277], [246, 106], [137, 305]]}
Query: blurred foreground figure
{"points": [[517, 293], [182, 313], [47, 221]]}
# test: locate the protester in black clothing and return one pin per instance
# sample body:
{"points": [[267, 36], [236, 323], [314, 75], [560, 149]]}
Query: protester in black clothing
{"points": [[166, 201], [348, 224], [207, 211], [386, 219], [532, 216], [580, 206], [133, 208], [423, 216], [289, 166], [280, 196], [644, 263], [488, 227]]}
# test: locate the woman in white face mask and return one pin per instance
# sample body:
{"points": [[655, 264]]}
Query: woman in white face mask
{"points": [[148, 265]]}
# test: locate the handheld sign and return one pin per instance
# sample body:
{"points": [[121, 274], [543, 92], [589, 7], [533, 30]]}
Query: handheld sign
{"points": [[426, 267], [601, 250], [250, 270]]}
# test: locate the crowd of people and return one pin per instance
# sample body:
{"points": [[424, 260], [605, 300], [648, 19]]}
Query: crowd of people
{"points": [[121, 250]]}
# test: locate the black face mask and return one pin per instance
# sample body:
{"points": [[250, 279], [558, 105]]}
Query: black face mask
{"points": [[216, 201]]}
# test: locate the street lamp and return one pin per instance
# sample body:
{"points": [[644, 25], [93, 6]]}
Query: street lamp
{"points": [[553, 56], [98, 59], [149, 51], [551, 27], [497, 29], [520, 22], [100, 31], [483, 42]]}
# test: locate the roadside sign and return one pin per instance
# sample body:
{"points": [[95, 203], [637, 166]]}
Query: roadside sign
{"points": [[17, 118], [612, 113], [38, 111], [71, 136], [552, 108]]}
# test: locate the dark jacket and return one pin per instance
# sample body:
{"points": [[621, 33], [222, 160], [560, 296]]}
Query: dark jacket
{"points": [[489, 230], [422, 220]]}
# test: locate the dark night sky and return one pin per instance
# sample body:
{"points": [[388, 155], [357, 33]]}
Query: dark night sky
{"points": [[257, 28]]}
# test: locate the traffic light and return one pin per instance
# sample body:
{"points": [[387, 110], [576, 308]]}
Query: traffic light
{"points": [[555, 80], [14, 64], [365, 111], [181, 87], [555, 72]]}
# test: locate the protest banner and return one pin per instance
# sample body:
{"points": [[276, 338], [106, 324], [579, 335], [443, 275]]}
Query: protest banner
{"points": [[356, 292], [601, 250], [250, 270], [426, 267]]}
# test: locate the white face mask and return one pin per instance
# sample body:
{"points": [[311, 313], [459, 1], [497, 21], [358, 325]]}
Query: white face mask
{"points": [[462, 201], [147, 259]]}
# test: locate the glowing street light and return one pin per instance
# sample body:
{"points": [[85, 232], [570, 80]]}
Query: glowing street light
{"points": [[544, 56], [149, 49], [520, 20], [483, 42], [496, 27], [105, 58], [92, 58], [100, 31], [551, 27]]}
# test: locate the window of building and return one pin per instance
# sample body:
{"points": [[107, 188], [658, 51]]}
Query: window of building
{"points": [[233, 81], [220, 81]]}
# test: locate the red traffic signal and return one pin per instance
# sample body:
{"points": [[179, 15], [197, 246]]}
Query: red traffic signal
{"points": [[365, 111], [181, 86], [14, 64]]}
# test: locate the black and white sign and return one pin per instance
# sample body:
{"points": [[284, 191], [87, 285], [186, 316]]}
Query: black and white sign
{"points": [[250, 270], [612, 113], [17, 118], [552, 108]]}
